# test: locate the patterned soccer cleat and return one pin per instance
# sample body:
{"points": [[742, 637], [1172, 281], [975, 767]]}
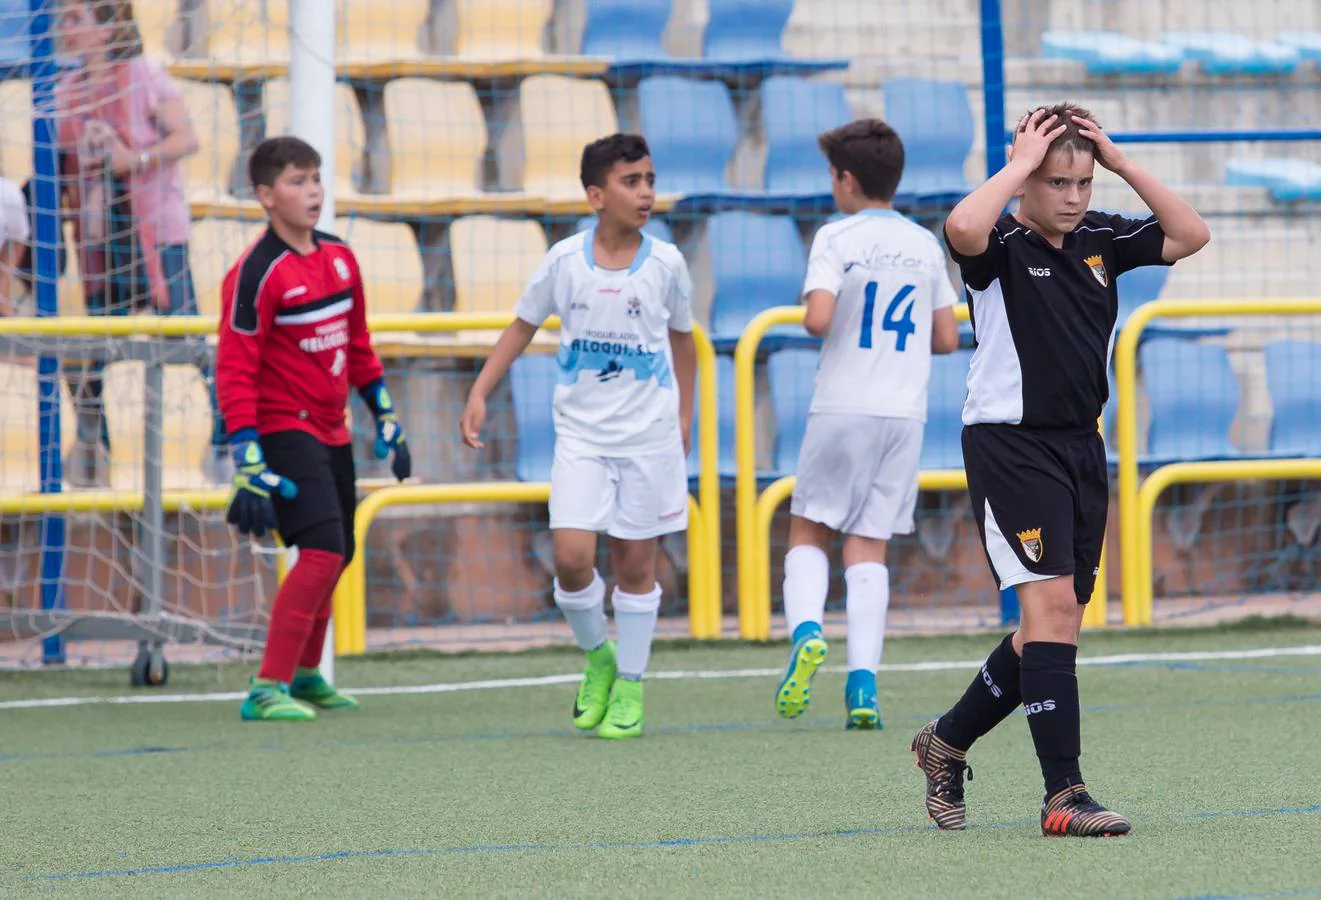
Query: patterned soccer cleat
{"points": [[269, 701], [1073, 813], [311, 688], [944, 768], [795, 691], [589, 705], [864, 711], [623, 718]]}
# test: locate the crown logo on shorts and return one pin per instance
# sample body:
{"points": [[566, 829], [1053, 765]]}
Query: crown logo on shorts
{"points": [[1097, 265], [1031, 541]]}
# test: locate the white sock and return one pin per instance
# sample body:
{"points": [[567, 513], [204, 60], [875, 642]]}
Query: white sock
{"points": [[867, 601], [806, 583], [635, 623], [585, 612]]}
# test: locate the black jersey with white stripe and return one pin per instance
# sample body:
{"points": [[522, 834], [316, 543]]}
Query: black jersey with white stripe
{"points": [[1043, 316]]}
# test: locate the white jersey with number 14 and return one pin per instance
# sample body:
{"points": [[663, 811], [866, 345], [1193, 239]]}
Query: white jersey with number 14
{"points": [[888, 275]]}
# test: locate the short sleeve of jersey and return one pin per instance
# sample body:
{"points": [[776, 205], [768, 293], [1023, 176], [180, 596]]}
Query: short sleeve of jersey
{"points": [[1137, 242], [681, 292], [538, 300], [825, 272], [942, 292], [979, 271]]}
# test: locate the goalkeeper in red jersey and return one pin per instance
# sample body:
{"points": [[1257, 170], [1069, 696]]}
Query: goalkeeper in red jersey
{"points": [[293, 340]]}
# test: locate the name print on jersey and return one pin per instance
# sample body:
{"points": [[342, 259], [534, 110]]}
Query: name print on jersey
{"points": [[328, 337], [1039, 273], [609, 357]]}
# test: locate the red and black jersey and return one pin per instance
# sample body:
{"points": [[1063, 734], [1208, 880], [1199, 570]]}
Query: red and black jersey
{"points": [[293, 339]]}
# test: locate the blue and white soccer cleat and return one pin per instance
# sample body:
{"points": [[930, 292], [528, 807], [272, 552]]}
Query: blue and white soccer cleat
{"points": [[809, 652], [864, 711]]}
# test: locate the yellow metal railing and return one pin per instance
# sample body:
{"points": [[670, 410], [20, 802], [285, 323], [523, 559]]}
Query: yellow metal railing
{"points": [[1197, 473], [1134, 537], [753, 514], [704, 568], [354, 582]]}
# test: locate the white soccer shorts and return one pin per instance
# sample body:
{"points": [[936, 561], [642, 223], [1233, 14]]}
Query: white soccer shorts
{"points": [[632, 498], [858, 474]]}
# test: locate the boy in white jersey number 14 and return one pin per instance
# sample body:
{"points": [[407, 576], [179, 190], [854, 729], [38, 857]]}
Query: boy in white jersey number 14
{"points": [[878, 292], [623, 415]]}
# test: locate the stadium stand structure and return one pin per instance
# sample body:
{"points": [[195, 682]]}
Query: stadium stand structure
{"points": [[459, 124]]}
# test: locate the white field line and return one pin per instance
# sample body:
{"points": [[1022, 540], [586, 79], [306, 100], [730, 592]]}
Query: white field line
{"points": [[667, 675]]}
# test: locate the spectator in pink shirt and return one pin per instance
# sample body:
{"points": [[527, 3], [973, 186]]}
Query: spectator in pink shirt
{"points": [[123, 130]]}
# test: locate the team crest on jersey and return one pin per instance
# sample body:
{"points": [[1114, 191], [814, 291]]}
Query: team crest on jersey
{"points": [[1097, 265], [342, 269], [1031, 541], [634, 307]]}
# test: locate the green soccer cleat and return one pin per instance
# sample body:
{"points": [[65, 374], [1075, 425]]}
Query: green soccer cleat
{"points": [[269, 701], [309, 687], [795, 691], [589, 706], [623, 718]]}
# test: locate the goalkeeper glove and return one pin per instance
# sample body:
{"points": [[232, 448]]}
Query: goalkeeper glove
{"points": [[389, 433], [250, 507]]}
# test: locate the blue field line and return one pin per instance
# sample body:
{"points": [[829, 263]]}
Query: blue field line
{"points": [[560, 847], [570, 733]]}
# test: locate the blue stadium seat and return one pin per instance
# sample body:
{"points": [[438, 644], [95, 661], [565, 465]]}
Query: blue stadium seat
{"points": [[1108, 52], [1223, 53], [1136, 287], [692, 132], [1293, 374], [655, 227], [628, 30], [793, 112], [1193, 396], [934, 119], [15, 18], [756, 262], [792, 375], [532, 380], [1286, 179], [942, 442], [1307, 43], [745, 30]]}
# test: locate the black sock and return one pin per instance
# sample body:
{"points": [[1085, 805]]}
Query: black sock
{"points": [[1050, 697], [993, 695]]}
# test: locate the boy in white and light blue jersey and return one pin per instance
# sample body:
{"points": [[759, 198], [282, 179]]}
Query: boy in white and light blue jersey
{"points": [[623, 420], [878, 291], [617, 394]]}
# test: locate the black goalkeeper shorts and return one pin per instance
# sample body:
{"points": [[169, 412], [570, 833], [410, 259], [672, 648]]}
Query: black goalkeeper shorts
{"points": [[321, 516]]}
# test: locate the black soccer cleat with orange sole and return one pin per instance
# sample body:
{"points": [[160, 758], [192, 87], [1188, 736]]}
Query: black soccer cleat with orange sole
{"points": [[1073, 813]]}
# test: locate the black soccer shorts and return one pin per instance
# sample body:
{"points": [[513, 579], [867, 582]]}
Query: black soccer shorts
{"points": [[321, 516], [1040, 501]]}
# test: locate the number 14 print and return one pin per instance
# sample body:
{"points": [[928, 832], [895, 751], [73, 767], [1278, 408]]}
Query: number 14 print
{"points": [[902, 325]]}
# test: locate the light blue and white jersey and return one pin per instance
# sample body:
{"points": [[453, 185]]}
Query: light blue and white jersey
{"points": [[617, 393], [888, 275]]}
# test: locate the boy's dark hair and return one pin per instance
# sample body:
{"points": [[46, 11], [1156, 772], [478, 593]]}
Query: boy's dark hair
{"points": [[871, 150], [1072, 138], [273, 154], [600, 156]]}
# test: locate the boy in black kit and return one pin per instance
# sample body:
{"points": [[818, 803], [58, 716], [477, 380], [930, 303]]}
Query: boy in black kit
{"points": [[1041, 289]]}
